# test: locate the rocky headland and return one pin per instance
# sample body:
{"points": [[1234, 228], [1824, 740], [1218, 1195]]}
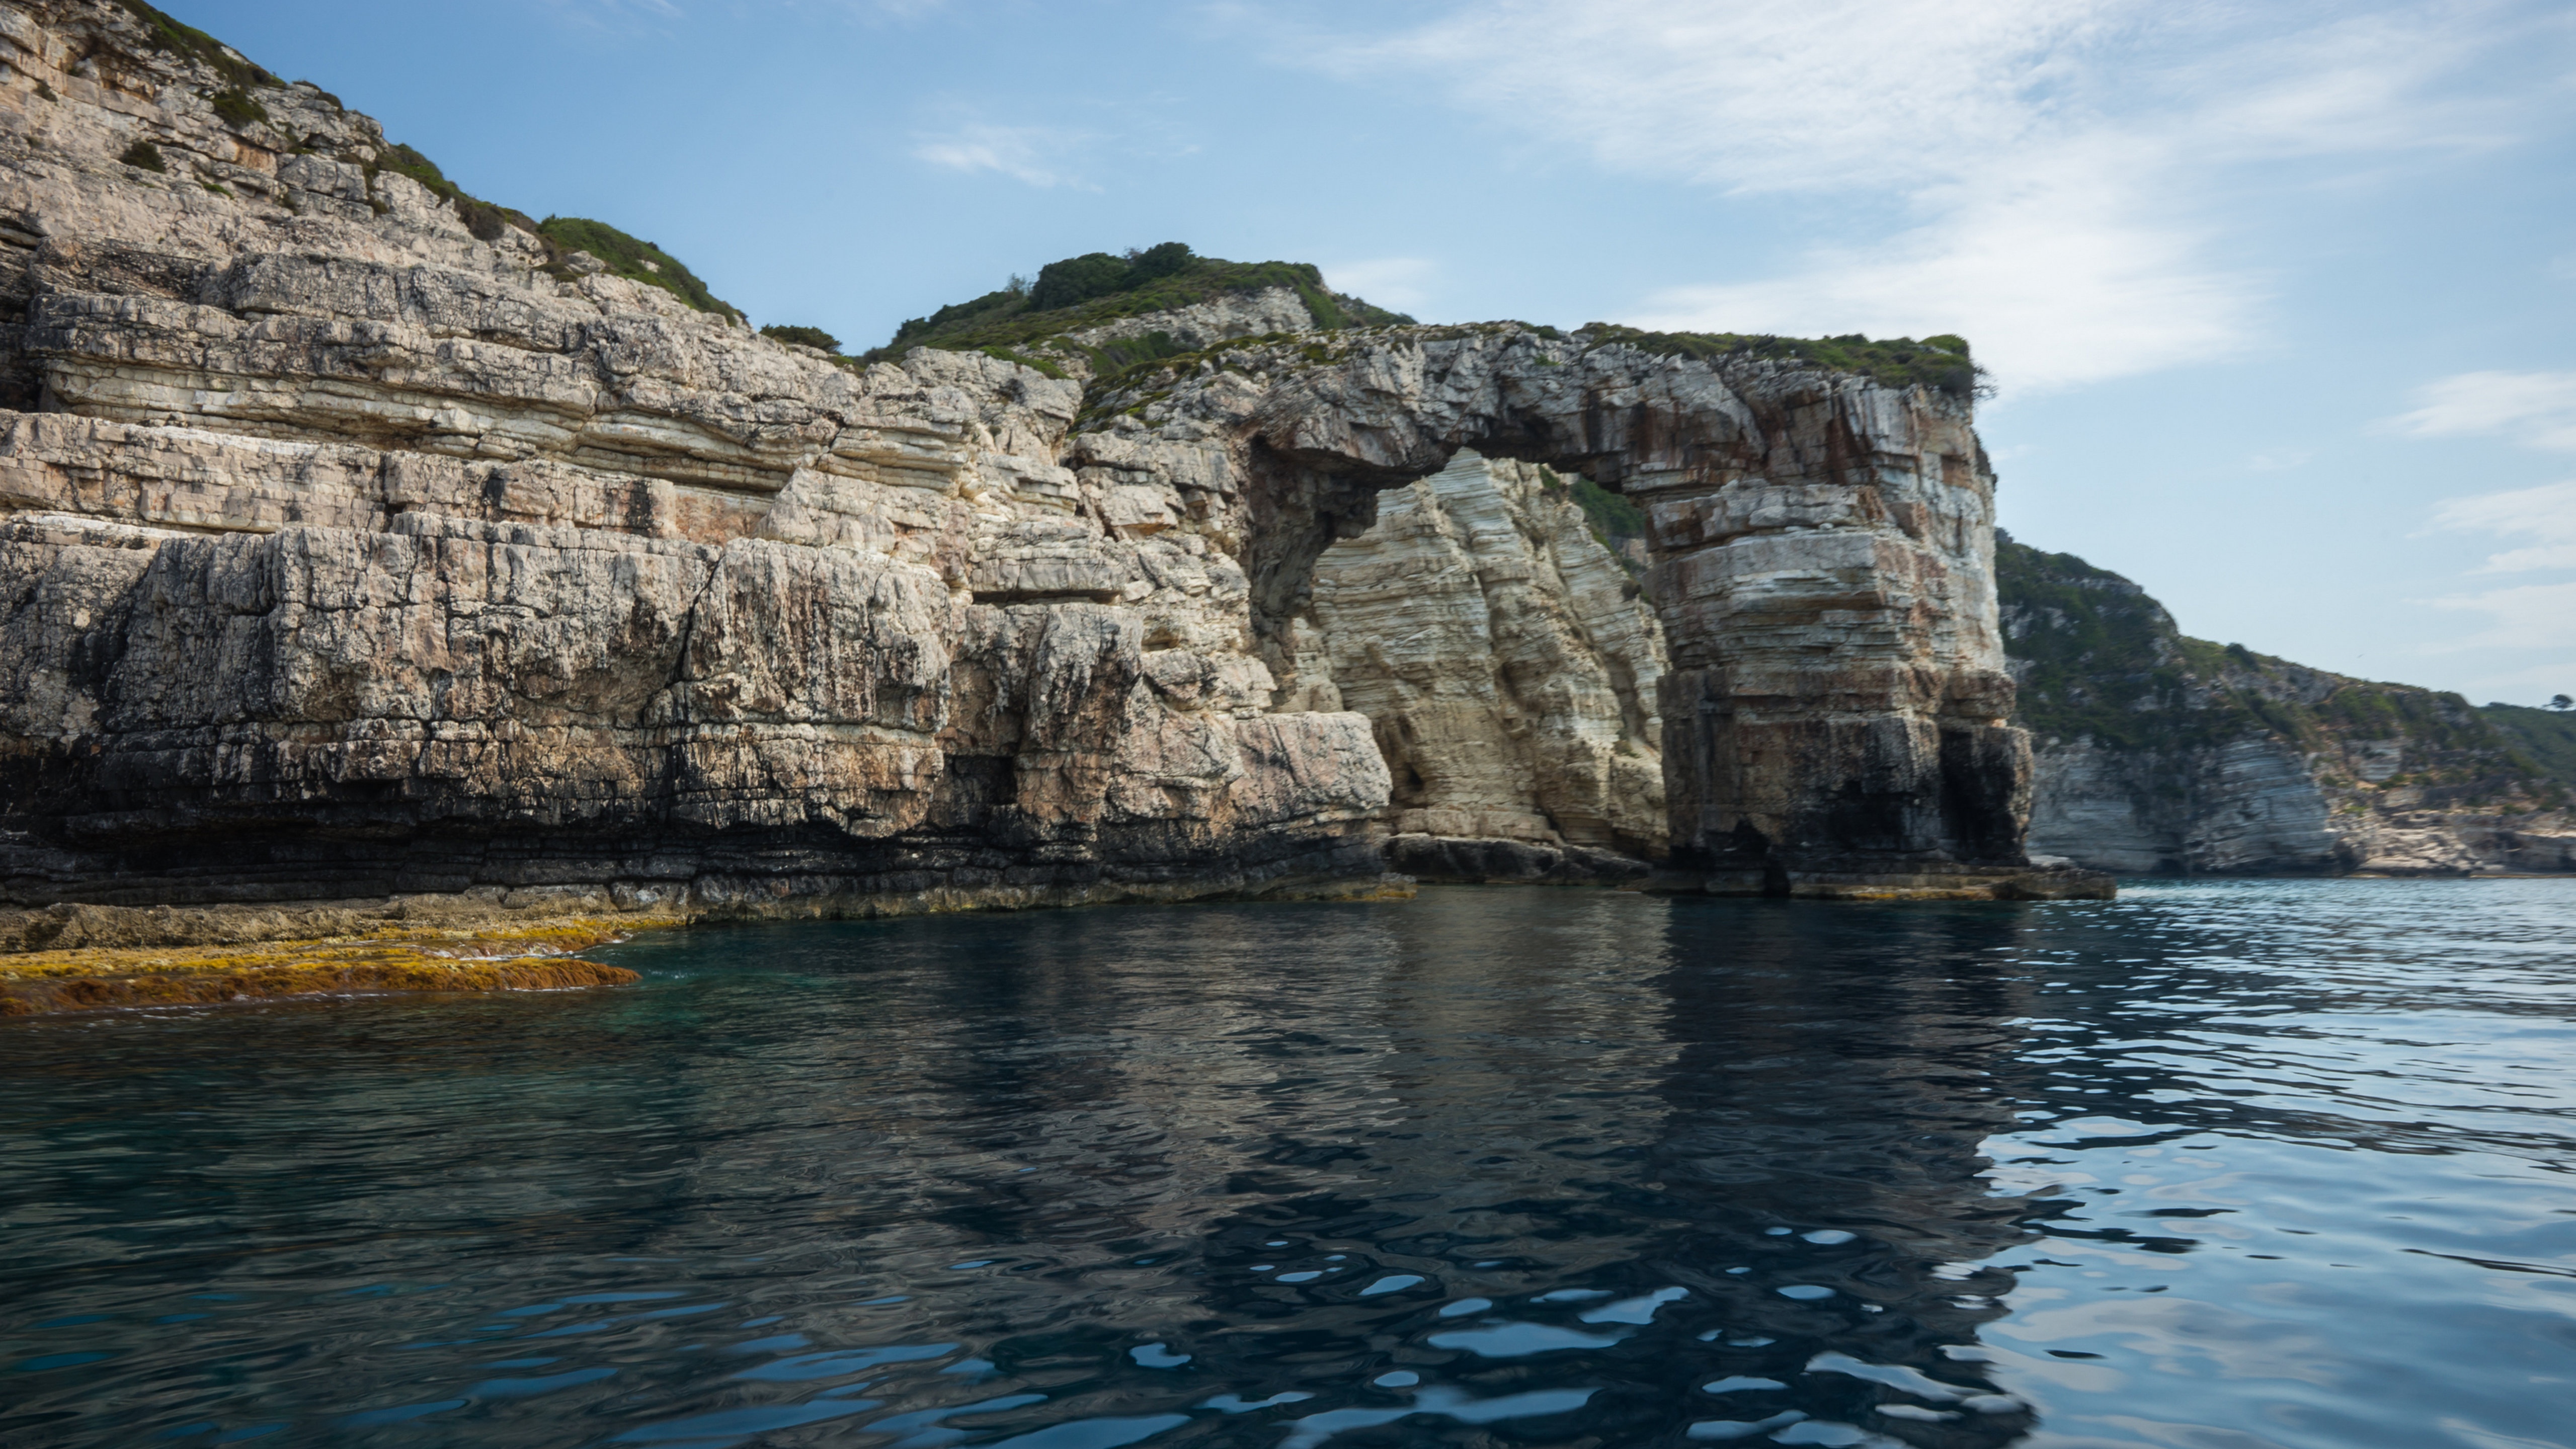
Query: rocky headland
{"points": [[362, 540], [2160, 753]]}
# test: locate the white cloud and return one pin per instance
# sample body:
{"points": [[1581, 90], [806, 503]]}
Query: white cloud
{"points": [[2537, 409], [611, 14], [1037, 155], [2049, 276], [2546, 513], [2051, 175], [1400, 283], [2529, 616], [2522, 616]]}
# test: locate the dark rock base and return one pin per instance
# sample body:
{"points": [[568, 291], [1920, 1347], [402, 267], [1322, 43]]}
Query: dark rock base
{"points": [[1919, 883], [1450, 860], [705, 875]]}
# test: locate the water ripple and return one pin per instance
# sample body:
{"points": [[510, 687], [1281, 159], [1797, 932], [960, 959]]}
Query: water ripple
{"points": [[2245, 1163]]}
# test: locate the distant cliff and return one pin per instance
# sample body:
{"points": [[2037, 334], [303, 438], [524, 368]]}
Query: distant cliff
{"points": [[2157, 752]]}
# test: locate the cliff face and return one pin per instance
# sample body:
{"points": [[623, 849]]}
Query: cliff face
{"points": [[2161, 753], [356, 538], [1510, 668], [1820, 564], [356, 543]]}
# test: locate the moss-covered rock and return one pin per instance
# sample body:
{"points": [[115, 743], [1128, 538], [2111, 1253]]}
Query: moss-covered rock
{"points": [[186, 40]]}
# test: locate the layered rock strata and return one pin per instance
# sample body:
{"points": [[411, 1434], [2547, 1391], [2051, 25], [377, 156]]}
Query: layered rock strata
{"points": [[2162, 754], [354, 542], [1834, 709], [349, 552], [1511, 671]]}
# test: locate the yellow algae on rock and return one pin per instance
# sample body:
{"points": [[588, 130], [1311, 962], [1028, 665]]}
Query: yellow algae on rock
{"points": [[483, 957]]}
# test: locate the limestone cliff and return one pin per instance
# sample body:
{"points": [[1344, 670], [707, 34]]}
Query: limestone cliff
{"points": [[1510, 667], [2161, 753], [358, 536], [1819, 540]]}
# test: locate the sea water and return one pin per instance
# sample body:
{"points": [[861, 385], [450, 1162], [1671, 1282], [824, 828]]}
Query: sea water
{"points": [[2217, 1166]]}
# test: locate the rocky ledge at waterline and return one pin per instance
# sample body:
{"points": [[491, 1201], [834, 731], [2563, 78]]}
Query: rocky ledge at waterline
{"points": [[360, 538]]}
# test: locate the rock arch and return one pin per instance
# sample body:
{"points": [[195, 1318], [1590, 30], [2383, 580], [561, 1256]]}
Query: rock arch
{"points": [[1835, 714]]}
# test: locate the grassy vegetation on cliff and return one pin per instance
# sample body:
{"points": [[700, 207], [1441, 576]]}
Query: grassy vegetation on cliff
{"points": [[2546, 736], [802, 336], [634, 259], [2099, 658], [194, 44], [626, 256], [1611, 517], [1096, 288], [1940, 363]]}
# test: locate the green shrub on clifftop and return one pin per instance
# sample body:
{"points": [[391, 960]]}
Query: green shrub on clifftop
{"points": [[187, 40], [1941, 363], [633, 259], [1088, 290], [803, 336]]}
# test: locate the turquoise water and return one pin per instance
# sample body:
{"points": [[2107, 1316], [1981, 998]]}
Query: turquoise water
{"points": [[2216, 1166]]}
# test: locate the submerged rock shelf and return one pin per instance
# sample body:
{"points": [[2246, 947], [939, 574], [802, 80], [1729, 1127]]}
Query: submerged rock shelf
{"points": [[78, 958]]}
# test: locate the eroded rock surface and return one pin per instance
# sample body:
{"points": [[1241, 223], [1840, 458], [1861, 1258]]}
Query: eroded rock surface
{"points": [[1505, 657], [348, 551], [355, 542], [1834, 706]]}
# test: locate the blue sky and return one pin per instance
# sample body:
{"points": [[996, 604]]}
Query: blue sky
{"points": [[2281, 297]]}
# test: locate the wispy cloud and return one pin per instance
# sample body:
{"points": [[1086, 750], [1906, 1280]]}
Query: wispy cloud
{"points": [[612, 14], [2052, 174], [2546, 515], [2528, 616], [2280, 460], [1401, 283], [1037, 155], [2537, 616], [2536, 409]]}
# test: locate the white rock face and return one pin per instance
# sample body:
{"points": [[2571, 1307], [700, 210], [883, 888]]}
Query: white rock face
{"points": [[1202, 324], [2245, 807], [347, 550], [354, 541], [1821, 564], [2259, 806], [1504, 658]]}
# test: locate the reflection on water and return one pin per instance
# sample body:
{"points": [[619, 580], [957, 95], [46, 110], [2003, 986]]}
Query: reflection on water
{"points": [[2217, 1166]]}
